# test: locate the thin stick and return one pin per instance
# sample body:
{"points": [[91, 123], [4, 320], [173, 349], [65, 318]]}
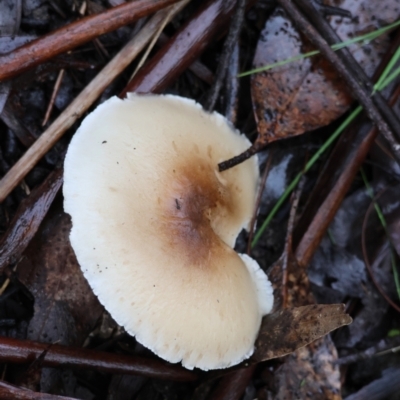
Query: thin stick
{"points": [[81, 103], [53, 96], [76, 34], [25, 351]]}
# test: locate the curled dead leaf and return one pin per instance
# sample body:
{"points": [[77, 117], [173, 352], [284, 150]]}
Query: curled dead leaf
{"points": [[285, 331]]}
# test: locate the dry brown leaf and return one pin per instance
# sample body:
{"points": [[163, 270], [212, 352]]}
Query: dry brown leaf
{"points": [[285, 331], [307, 94]]}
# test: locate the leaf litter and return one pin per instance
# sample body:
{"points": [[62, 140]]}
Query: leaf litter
{"points": [[307, 94], [44, 274]]}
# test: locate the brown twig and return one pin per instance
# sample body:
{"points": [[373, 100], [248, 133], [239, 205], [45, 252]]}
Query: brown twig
{"points": [[53, 96], [81, 103], [25, 351], [254, 149], [357, 90], [75, 34]]}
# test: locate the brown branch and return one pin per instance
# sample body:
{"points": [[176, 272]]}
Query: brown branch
{"points": [[75, 34], [232, 162], [25, 351], [356, 88]]}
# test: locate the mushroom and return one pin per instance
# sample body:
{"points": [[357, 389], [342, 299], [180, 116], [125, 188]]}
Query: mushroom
{"points": [[154, 224]]}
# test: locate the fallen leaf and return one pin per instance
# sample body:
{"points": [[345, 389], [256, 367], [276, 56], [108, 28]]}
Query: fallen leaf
{"points": [[307, 94], [297, 97], [285, 331]]}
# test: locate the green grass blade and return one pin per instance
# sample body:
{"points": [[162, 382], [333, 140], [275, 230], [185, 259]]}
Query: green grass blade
{"points": [[367, 38], [296, 180]]}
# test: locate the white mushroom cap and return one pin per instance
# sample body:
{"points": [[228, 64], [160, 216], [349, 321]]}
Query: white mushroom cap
{"points": [[154, 223]]}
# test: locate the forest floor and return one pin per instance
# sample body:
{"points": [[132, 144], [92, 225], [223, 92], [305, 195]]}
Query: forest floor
{"points": [[326, 228]]}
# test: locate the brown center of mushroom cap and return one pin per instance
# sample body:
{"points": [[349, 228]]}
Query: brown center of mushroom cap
{"points": [[190, 213]]}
